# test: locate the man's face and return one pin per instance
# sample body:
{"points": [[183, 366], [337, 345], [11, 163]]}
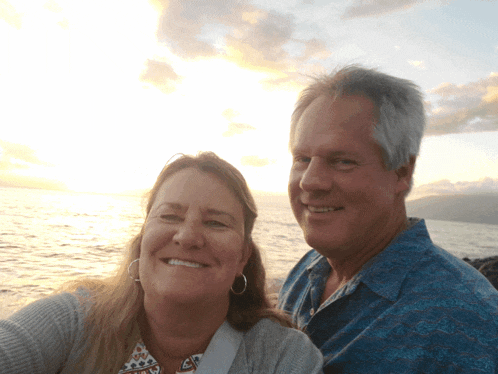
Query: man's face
{"points": [[342, 196]]}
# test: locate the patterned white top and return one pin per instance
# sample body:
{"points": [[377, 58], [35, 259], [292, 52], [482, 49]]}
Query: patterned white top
{"points": [[142, 362]]}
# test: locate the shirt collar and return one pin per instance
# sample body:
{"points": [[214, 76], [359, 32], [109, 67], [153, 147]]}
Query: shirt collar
{"points": [[318, 259], [384, 273], [318, 270]]}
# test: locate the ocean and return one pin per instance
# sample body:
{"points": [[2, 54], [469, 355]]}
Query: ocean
{"points": [[48, 237]]}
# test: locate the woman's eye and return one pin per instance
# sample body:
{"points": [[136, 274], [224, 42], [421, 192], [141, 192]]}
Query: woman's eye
{"points": [[170, 217], [213, 223]]}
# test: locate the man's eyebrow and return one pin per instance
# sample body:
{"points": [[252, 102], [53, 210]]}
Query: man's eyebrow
{"points": [[342, 153], [217, 212], [332, 154]]}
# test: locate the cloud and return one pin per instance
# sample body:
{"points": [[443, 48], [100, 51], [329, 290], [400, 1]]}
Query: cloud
{"points": [[316, 49], [18, 156], [242, 33], [375, 8], [11, 180], [417, 64], [181, 23], [237, 128], [255, 161], [444, 187], [472, 107], [64, 24], [161, 75], [233, 127], [268, 44], [10, 15], [262, 42], [53, 6], [230, 114]]}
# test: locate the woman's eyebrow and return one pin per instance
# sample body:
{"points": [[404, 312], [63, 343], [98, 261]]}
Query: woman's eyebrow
{"points": [[174, 206], [217, 212]]}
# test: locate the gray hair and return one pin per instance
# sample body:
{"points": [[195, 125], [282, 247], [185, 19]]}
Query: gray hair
{"points": [[401, 115]]}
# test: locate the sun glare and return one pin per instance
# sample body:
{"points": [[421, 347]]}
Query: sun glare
{"points": [[91, 88]]}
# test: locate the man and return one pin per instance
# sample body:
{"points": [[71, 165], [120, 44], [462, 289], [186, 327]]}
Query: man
{"points": [[375, 294]]}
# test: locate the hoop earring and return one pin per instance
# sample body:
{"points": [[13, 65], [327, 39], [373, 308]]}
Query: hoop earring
{"points": [[245, 286], [129, 272]]}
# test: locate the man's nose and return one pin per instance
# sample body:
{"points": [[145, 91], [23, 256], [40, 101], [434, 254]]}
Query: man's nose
{"points": [[189, 235], [315, 177]]}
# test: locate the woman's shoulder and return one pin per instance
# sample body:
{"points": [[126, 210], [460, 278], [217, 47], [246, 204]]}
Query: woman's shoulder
{"points": [[271, 336], [269, 328], [64, 312], [269, 344], [57, 304]]}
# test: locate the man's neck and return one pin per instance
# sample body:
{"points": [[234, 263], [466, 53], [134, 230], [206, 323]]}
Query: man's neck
{"points": [[344, 269]]}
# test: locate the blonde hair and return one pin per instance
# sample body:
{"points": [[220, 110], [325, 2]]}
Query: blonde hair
{"points": [[115, 304]]}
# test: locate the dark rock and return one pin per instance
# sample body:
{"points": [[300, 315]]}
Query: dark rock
{"points": [[487, 266]]}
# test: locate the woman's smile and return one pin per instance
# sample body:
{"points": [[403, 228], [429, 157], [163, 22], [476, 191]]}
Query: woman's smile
{"points": [[176, 262]]}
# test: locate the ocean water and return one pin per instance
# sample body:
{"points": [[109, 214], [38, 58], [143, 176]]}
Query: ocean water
{"points": [[48, 237]]}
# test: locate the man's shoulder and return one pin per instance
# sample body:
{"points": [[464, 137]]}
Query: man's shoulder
{"points": [[417, 268], [439, 273], [444, 313]]}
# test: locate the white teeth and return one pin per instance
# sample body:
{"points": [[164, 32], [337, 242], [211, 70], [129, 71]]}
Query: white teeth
{"points": [[320, 209], [184, 263]]}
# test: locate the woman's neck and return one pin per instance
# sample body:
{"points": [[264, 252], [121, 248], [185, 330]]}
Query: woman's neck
{"points": [[174, 331]]}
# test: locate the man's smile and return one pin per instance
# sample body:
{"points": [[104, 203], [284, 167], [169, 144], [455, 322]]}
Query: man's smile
{"points": [[322, 209]]}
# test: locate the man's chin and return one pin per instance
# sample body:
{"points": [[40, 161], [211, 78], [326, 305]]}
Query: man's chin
{"points": [[327, 247]]}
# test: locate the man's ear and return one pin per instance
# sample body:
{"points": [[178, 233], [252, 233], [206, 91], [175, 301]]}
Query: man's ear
{"points": [[405, 174]]}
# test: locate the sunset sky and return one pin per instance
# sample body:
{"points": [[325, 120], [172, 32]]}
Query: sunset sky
{"points": [[97, 95]]}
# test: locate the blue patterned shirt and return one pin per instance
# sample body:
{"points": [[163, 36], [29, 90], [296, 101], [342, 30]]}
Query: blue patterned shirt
{"points": [[413, 308]]}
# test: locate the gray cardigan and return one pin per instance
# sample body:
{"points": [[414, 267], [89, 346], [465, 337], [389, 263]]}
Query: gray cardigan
{"points": [[46, 338]]}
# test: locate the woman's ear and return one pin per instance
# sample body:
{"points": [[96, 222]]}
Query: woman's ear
{"points": [[246, 254]]}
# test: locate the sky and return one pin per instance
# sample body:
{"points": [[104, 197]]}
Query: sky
{"points": [[97, 95]]}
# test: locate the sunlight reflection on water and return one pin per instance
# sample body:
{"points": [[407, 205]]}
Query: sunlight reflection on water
{"points": [[49, 237]]}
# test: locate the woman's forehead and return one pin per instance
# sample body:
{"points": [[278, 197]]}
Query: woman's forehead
{"points": [[191, 185]]}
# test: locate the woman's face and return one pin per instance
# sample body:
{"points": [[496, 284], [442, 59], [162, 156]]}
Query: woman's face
{"points": [[193, 241]]}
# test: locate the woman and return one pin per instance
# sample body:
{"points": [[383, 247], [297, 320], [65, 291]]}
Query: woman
{"points": [[190, 295]]}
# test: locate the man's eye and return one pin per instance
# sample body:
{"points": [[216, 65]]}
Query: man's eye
{"points": [[344, 164], [302, 159]]}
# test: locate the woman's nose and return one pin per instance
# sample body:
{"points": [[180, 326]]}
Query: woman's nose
{"points": [[189, 235]]}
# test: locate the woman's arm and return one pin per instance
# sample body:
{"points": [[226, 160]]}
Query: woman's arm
{"points": [[39, 338]]}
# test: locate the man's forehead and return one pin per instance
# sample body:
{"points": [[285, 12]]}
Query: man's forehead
{"points": [[346, 113], [335, 125], [348, 104]]}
